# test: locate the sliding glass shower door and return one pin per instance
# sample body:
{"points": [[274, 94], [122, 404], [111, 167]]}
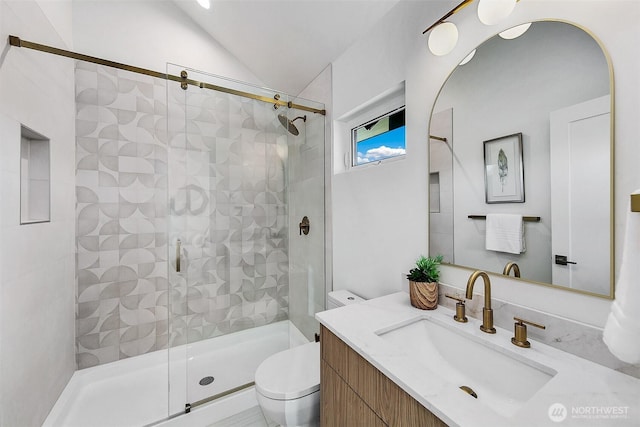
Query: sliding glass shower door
{"points": [[228, 236]]}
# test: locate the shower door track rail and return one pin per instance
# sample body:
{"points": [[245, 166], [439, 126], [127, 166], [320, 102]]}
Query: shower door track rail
{"points": [[218, 396], [190, 406], [182, 79]]}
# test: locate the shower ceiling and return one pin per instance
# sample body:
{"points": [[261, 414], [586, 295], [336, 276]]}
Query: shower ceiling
{"points": [[287, 43]]}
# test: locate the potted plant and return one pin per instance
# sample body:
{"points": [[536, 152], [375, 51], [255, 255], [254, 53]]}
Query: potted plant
{"points": [[423, 282]]}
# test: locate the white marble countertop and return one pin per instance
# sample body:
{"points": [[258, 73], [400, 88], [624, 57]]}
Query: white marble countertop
{"points": [[591, 394]]}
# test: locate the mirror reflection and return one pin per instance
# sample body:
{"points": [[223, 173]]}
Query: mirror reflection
{"points": [[522, 131]]}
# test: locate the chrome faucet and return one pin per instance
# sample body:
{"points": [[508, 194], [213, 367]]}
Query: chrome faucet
{"points": [[487, 312], [511, 266]]}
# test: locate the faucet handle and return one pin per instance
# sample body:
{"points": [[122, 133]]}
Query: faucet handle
{"points": [[520, 332], [460, 315], [455, 297]]}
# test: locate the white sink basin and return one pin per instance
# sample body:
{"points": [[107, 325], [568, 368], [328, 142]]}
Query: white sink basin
{"points": [[503, 381]]}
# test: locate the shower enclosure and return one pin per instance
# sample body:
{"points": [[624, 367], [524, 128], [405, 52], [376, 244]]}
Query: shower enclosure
{"points": [[240, 178], [194, 263]]}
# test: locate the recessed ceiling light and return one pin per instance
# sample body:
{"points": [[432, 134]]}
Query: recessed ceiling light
{"points": [[204, 3]]}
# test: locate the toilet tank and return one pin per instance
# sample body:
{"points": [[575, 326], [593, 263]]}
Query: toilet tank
{"points": [[337, 299]]}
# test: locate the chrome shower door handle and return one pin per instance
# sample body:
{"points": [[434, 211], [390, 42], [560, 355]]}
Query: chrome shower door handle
{"points": [[178, 250]]}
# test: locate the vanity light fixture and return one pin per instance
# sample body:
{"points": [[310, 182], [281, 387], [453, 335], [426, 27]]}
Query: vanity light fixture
{"points": [[443, 38], [444, 35], [204, 3], [515, 32], [491, 12]]}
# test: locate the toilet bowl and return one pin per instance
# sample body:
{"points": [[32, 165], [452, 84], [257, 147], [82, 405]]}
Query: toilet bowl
{"points": [[288, 382], [288, 386]]}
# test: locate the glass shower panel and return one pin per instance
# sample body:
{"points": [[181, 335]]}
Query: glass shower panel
{"points": [[228, 237], [306, 168], [177, 181]]}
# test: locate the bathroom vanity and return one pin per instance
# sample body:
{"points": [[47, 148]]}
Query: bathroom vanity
{"points": [[385, 362], [355, 393]]}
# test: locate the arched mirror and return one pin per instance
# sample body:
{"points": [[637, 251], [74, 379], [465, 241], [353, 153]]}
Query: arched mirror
{"points": [[525, 127]]}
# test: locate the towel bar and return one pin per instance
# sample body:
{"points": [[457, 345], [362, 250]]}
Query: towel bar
{"points": [[438, 138], [524, 218]]}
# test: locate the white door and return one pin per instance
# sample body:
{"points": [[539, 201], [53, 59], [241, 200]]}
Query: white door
{"points": [[581, 195]]}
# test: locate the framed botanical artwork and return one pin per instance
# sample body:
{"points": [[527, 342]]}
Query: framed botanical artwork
{"points": [[504, 169]]}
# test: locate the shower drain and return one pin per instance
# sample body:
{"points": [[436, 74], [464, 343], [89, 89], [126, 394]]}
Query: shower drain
{"points": [[206, 381]]}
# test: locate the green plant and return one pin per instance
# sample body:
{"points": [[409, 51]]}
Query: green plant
{"points": [[426, 269]]}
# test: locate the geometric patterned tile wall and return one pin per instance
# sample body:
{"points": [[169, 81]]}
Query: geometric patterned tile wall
{"points": [[121, 214], [228, 206], [223, 193]]}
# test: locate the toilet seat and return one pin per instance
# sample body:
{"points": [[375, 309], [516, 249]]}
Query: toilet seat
{"points": [[290, 374]]}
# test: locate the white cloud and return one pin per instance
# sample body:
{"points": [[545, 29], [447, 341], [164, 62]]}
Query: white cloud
{"points": [[379, 153], [382, 152], [362, 159]]}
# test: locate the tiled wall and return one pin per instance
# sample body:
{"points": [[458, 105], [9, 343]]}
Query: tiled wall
{"points": [[228, 205], [37, 261], [121, 215], [216, 180]]}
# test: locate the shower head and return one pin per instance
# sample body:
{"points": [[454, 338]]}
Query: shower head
{"points": [[288, 124]]}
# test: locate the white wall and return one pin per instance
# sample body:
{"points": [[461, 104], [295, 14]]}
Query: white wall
{"points": [[441, 195], [379, 212], [149, 34], [37, 261], [380, 223]]}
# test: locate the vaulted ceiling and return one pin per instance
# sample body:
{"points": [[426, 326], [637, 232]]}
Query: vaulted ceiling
{"points": [[287, 43]]}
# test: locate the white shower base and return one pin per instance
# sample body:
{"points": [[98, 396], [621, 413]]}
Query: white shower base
{"points": [[135, 392]]}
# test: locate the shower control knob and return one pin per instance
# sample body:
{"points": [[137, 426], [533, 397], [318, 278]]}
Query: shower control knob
{"points": [[304, 226]]}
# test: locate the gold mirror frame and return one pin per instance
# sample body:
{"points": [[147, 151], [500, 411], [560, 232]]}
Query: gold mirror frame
{"points": [[607, 57]]}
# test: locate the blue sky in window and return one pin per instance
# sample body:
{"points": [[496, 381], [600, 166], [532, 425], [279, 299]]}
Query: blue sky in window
{"points": [[383, 146]]}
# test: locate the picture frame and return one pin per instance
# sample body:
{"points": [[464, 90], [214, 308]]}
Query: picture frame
{"points": [[504, 169]]}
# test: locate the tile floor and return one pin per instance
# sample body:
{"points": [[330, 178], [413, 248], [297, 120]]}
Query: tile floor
{"points": [[251, 417]]}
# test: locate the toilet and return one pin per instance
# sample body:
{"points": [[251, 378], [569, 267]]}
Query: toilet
{"points": [[288, 382]]}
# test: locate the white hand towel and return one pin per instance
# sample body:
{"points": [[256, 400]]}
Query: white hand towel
{"points": [[622, 330], [505, 233]]}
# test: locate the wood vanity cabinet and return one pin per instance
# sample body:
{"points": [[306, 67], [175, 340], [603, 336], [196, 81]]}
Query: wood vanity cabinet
{"points": [[354, 393]]}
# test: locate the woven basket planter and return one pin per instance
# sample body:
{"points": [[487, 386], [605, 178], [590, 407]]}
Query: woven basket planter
{"points": [[423, 295]]}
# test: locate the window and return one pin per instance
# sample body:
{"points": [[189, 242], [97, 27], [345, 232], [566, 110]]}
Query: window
{"points": [[379, 139]]}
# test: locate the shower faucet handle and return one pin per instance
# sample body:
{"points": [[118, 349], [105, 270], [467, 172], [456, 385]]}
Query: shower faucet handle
{"points": [[304, 226]]}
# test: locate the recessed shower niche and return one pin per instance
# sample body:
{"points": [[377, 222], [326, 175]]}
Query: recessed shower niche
{"points": [[35, 181]]}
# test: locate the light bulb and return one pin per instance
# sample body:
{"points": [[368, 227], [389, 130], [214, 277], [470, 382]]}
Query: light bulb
{"points": [[204, 3], [443, 38], [491, 12], [468, 57], [515, 32]]}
